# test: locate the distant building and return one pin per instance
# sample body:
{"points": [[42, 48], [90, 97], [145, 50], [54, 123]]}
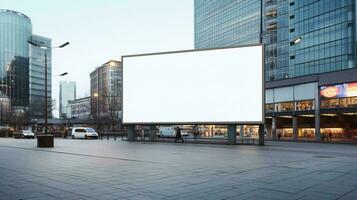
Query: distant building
{"points": [[67, 93], [80, 108], [106, 86], [37, 77]]}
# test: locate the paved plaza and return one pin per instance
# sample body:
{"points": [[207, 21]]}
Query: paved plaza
{"points": [[101, 169]]}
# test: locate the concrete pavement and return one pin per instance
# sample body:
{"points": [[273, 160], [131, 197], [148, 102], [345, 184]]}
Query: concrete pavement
{"points": [[101, 169]]}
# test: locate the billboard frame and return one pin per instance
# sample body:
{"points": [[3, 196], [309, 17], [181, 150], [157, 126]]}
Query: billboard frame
{"points": [[197, 123]]}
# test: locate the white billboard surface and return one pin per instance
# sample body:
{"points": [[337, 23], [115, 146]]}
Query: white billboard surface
{"points": [[222, 86]]}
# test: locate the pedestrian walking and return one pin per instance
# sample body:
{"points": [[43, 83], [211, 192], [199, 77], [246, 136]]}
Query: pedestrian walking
{"points": [[178, 135], [330, 136], [195, 132]]}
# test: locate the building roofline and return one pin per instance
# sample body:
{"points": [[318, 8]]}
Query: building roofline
{"points": [[15, 12], [103, 65], [42, 37], [80, 99], [111, 61]]}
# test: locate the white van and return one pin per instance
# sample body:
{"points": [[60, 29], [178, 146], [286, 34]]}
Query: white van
{"points": [[170, 132], [167, 131], [84, 132]]}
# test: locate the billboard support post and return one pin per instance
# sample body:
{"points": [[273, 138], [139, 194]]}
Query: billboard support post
{"points": [[152, 132], [261, 134], [232, 134], [131, 132]]}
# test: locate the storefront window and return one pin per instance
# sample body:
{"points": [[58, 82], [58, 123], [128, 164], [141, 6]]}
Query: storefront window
{"points": [[269, 107], [333, 132], [330, 103], [339, 103], [284, 107], [305, 105], [352, 102], [306, 133], [287, 132]]}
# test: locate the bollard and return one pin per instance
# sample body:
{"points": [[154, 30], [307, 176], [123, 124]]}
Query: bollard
{"points": [[107, 136], [115, 136]]}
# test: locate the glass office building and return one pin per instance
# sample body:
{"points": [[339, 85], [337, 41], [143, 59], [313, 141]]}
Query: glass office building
{"points": [[67, 92], [310, 55], [37, 76], [308, 37], [227, 23], [15, 31]]}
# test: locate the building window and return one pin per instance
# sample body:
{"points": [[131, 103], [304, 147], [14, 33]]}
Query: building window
{"points": [[284, 107], [350, 102], [305, 105], [269, 107], [330, 103]]}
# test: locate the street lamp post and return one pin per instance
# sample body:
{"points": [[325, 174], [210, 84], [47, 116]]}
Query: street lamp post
{"points": [[63, 74]]}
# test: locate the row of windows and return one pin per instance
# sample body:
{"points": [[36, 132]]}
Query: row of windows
{"points": [[318, 22], [350, 102], [323, 51], [309, 105], [226, 23], [321, 66], [304, 11], [306, 105]]}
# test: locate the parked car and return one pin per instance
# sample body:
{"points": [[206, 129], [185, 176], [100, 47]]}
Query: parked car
{"points": [[27, 134], [84, 132]]}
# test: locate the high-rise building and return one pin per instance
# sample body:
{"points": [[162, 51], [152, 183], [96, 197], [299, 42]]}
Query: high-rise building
{"points": [[310, 60], [22, 66], [106, 86], [15, 31], [220, 23], [67, 92], [37, 77]]}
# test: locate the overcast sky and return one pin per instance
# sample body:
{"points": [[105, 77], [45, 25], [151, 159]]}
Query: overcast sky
{"points": [[100, 30]]}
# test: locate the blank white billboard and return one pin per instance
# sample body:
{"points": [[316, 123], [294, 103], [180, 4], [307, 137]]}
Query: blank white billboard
{"points": [[217, 86]]}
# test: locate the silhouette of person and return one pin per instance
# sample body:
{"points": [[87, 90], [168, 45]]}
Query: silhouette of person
{"points": [[178, 135]]}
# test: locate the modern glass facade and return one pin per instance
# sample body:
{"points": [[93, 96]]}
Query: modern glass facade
{"points": [[37, 76], [301, 37], [326, 29], [276, 39], [222, 23], [310, 45], [67, 93], [15, 31], [308, 37]]}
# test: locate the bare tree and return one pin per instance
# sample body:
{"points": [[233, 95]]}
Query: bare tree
{"points": [[113, 108], [36, 108]]}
